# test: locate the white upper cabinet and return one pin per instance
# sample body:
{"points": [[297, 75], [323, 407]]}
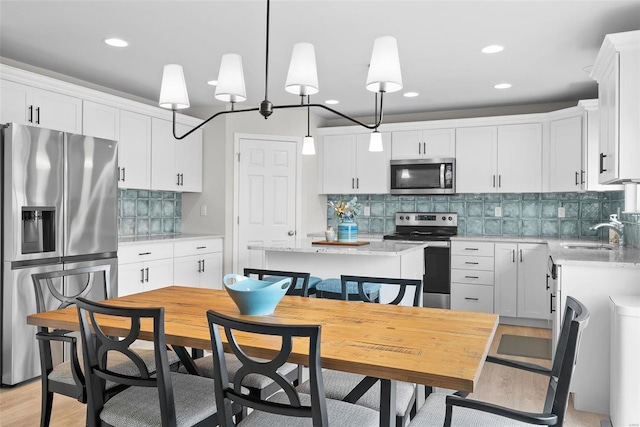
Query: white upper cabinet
{"points": [[617, 70], [566, 172], [134, 151], [38, 107], [423, 144], [176, 165], [505, 159], [101, 121], [348, 167]]}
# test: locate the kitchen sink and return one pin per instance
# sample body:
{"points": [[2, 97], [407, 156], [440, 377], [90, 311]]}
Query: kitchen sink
{"points": [[595, 246]]}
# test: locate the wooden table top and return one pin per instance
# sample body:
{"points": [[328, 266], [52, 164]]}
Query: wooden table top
{"points": [[441, 348]]}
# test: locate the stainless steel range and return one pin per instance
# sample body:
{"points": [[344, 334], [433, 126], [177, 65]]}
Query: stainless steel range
{"points": [[436, 229]]}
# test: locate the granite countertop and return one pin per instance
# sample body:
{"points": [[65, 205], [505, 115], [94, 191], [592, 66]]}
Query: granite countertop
{"points": [[166, 237], [384, 248], [626, 257]]}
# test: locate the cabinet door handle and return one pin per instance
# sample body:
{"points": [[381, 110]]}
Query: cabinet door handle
{"points": [[520, 255], [494, 181], [602, 156], [551, 310], [471, 249], [178, 182], [142, 275], [38, 115], [419, 147], [472, 263], [471, 277], [582, 177], [548, 281], [513, 255], [499, 180], [30, 114], [353, 183], [203, 266], [471, 299], [577, 183], [182, 179], [199, 266], [124, 176], [201, 247], [424, 148], [357, 182], [119, 174], [144, 253], [147, 274]]}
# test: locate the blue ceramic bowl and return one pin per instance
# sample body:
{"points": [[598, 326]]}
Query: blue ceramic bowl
{"points": [[255, 297]]}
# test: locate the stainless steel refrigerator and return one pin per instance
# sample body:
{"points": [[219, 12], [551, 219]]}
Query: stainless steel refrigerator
{"points": [[59, 211]]}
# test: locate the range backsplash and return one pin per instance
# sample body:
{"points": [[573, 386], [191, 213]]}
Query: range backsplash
{"points": [[528, 214], [142, 213]]}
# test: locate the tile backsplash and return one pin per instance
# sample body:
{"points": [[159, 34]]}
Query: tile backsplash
{"points": [[528, 214], [142, 213]]}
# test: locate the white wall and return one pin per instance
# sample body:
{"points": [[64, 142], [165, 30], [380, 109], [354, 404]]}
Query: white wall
{"points": [[218, 173]]}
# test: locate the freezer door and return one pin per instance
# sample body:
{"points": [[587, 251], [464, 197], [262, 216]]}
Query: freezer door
{"points": [[91, 195], [32, 184]]}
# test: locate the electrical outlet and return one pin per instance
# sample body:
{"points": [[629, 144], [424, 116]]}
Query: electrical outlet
{"points": [[561, 212], [367, 211], [203, 210], [497, 211]]}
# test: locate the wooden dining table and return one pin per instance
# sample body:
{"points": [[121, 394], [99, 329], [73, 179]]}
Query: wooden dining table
{"points": [[433, 347]]}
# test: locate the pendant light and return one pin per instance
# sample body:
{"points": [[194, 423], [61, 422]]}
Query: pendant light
{"points": [[384, 75]]}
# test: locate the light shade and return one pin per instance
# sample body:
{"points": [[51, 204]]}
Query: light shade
{"points": [[375, 143], [231, 79], [308, 147], [302, 78], [173, 92], [384, 69]]}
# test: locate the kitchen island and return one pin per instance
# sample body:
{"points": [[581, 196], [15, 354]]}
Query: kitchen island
{"points": [[379, 259]]}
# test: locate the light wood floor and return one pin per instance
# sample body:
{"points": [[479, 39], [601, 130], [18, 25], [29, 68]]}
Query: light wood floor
{"points": [[20, 406]]}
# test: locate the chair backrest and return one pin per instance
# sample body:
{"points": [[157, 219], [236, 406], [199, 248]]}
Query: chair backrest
{"points": [[576, 318], [262, 273], [225, 394], [401, 285], [52, 291], [98, 347]]}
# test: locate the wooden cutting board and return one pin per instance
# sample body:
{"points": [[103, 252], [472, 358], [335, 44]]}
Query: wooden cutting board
{"points": [[325, 242]]}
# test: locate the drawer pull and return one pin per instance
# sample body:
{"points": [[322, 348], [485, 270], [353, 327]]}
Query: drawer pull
{"points": [[471, 249], [471, 299], [472, 263], [471, 277], [145, 253], [201, 247]]}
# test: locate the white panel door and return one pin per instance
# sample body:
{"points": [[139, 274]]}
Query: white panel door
{"points": [[101, 121], [163, 162], [406, 144], [267, 197], [505, 279], [186, 270], [134, 151], [189, 159], [533, 295], [56, 111], [130, 278], [339, 161], [14, 102], [566, 172], [519, 158], [372, 167], [476, 159], [439, 143]]}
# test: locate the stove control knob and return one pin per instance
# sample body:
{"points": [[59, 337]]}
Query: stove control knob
{"points": [[444, 218], [450, 219], [401, 217]]}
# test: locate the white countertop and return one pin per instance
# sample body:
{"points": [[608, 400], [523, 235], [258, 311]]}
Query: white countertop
{"points": [[384, 248], [625, 257], [123, 241]]}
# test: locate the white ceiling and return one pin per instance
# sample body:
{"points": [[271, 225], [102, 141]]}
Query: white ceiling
{"points": [[547, 44]]}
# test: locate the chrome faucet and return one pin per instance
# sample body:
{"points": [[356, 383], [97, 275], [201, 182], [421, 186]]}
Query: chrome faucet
{"points": [[615, 225]]}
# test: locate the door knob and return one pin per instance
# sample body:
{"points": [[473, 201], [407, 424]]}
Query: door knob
{"points": [[291, 233]]}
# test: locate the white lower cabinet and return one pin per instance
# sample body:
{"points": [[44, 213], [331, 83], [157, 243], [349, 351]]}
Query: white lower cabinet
{"points": [[198, 263], [472, 276], [521, 286], [144, 266]]}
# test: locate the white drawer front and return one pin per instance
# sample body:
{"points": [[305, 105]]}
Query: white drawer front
{"points": [[472, 248], [195, 247], [477, 277], [472, 298], [472, 262], [145, 252]]}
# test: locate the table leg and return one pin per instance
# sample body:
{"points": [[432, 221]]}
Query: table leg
{"points": [[387, 403], [186, 360]]}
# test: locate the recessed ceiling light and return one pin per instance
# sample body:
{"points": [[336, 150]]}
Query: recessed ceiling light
{"points": [[411, 94], [503, 86], [116, 42], [494, 48], [212, 82], [331, 101]]}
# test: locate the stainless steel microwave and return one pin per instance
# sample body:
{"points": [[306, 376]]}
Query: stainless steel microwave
{"points": [[423, 176]]}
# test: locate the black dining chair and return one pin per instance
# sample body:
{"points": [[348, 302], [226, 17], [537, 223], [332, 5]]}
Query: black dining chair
{"points": [[448, 410], [59, 289], [154, 396], [287, 407], [259, 385], [360, 389], [304, 284]]}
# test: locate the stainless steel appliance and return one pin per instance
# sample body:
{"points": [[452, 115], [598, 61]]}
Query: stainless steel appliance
{"points": [[423, 176], [59, 211], [436, 229]]}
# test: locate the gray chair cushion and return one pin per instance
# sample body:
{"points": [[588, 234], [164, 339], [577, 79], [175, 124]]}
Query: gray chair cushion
{"points": [[338, 384], [339, 413], [313, 281], [433, 411], [334, 286], [139, 406], [118, 362], [205, 364]]}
